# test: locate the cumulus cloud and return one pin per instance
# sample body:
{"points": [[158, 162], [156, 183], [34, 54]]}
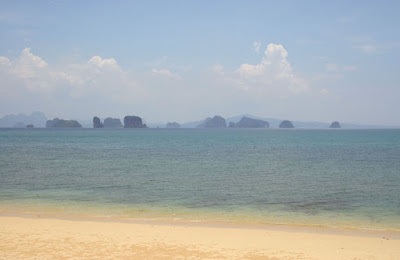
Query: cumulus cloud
{"points": [[28, 69], [25, 66], [77, 80], [4, 62], [104, 63], [273, 73]]}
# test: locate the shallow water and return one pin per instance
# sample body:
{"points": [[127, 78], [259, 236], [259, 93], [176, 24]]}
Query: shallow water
{"points": [[339, 178]]}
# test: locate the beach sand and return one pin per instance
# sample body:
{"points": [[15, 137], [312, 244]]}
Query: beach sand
{"points": [[37, 238]]}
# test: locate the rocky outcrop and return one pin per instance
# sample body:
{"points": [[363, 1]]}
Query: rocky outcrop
{"points": [[247, 122], [286, 124], [30, 126], [62, 123], [97, 123], [215, 122], [335, 125], [172, 125], [133, 122], [112, 122]]}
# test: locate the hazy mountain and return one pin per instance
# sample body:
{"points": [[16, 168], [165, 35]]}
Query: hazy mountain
{"points": [[38, 119]]}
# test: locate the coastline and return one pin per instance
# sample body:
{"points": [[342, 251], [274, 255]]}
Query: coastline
{"points": [[182, 216], [46, 238]]}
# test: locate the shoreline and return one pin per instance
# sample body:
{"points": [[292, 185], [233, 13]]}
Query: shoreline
{"points": [[175, 217], [302, 228], [47, 238]]}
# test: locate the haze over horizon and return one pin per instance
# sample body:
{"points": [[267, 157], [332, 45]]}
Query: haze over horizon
{"points": [[184, 61]]}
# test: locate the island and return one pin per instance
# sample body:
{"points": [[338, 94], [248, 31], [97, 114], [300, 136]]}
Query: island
{"points": [[247, 122], [335, 125], [97, 123], [286, 124], [57, 123], [133, 122], [112, 122], [215, 122]]}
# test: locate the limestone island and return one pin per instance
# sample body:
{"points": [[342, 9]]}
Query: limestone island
{"points": [[286, 124], [59, 123], [247, 122], [215, 122], [133, 122], [97, 122], [112, 122], [335, 125]]}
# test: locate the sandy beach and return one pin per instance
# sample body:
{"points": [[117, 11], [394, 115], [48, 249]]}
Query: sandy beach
{"points": [[36, 238]]}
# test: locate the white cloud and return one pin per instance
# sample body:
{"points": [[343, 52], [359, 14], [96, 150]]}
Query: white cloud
{"points": [[257, 46], [273, 74], [96, 76], [28, 65], [4, 62], [27, 70], [104, 63], [166, 73]]}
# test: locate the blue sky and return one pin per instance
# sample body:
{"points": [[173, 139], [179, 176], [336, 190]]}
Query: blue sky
{"points": [[186, 60]]}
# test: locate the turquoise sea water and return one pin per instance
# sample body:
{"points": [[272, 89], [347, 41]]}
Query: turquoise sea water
{"points": [[337, 178]]}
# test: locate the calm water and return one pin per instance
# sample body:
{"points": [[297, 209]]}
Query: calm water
{"points": [[346, 178]]}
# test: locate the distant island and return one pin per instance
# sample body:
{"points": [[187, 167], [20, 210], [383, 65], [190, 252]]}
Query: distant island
{"points": [[97, 122], [56, 122], [215, 122], [39, 120], [129, 122], [247, 122], [133, 122], [335, 125], [286, 124], [112, 122]]}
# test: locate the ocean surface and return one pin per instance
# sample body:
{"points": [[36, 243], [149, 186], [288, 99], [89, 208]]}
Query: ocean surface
{"points": [[334, 178]]}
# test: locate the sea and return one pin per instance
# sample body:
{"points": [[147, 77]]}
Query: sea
{"points": [[331, 178]]}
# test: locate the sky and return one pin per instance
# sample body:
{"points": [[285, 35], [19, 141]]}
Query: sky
{"points": [[188, 60]]}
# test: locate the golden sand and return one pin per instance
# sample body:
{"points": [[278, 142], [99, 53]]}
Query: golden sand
{"points": [[30, 238]]}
